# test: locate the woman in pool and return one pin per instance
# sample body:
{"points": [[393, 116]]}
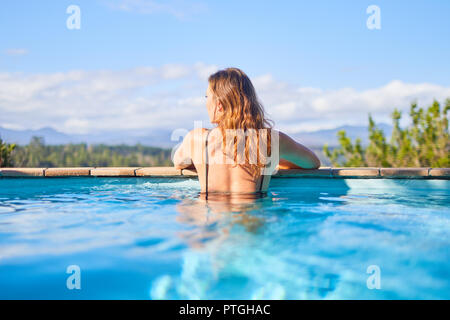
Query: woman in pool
{"points": [[241, 153]]}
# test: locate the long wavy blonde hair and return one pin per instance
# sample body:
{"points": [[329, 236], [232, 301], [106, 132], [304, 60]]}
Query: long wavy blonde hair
{"points": [[241, 110]]}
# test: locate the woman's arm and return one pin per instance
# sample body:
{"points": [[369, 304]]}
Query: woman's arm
{"points": [[292, 152], [190, 150], [284, 164], [182, 157]]}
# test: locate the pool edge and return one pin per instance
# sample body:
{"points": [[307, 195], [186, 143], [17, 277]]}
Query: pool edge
{"points": [[171, 172]]}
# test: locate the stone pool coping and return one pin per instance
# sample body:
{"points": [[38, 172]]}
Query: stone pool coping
{"points": [[322, 172]]}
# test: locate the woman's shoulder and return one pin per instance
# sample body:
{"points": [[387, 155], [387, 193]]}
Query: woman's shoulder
{"points": [[196, 135], [201, 133], [197, 131]]}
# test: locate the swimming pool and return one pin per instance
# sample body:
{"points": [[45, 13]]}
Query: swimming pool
{"points": [[153, 238]]}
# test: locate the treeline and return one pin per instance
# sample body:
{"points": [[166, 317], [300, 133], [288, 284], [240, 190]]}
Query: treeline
{"points": [[424, 143], [37, 154]]}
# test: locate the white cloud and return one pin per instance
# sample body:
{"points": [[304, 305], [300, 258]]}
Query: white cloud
{"points": [[78, 125], [204, 71], [172, 96], [306, 109], [12, 126], [88, 101], [180, 9], [16, 52]]}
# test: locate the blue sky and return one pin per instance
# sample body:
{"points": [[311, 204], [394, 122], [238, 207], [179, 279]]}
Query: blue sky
{"points": [[322, 45]]}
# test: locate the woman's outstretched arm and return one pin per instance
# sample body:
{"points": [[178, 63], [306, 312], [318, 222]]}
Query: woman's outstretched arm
{"points": [[182, 158], [292, 152]]}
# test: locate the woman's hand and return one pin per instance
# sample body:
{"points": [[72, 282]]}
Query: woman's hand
{"points": [[284, 164], [191, 167]]}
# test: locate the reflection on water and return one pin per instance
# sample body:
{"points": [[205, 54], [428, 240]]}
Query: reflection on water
{"points": [[311, 245], [233, 253], [161, 239], [213, 217]]}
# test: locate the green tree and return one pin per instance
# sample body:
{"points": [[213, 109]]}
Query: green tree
{"points": [[425, 143], [5, 153], [37, 154]]}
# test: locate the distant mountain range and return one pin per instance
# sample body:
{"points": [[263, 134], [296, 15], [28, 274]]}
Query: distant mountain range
{"points": [[161, 138], [156, 138], [320, 137]]}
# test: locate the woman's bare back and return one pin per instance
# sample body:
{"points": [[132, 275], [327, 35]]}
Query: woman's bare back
{"points": [[227, 177], [224, 176]]}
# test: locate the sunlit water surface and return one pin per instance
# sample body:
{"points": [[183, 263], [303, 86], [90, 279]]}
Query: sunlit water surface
{"points": [[139, 238]]}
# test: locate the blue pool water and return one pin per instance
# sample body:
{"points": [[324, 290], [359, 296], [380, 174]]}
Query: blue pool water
{"points": [[150, 238]]}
